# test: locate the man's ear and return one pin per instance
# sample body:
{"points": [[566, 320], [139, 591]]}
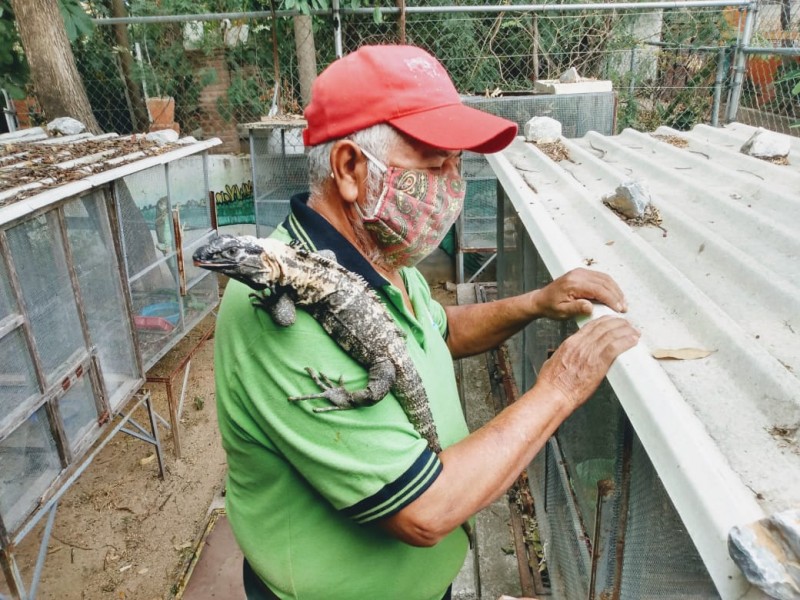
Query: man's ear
{"points": [[349, 170]]}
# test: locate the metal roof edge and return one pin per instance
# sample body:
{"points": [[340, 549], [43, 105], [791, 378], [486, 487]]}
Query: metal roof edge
{"points": [[706, 492], [19, 209]]}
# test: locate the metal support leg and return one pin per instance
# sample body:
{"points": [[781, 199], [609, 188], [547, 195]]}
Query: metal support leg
{"points": [[174, 418], [140, 433], [157, 441], [183, 387], [8, 563], [12, 572], [176, 408]]}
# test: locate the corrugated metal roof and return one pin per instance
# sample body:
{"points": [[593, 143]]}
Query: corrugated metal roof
{"points": [[721, 272], [37, 169]]}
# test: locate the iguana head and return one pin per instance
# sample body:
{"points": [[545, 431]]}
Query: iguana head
{"points": [[240, 257]]}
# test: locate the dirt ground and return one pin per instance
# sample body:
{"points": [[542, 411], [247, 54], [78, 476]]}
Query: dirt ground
{"points": [[120, 531]]}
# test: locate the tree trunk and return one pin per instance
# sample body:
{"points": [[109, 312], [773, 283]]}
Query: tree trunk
{"points": [[55, 78], [141, 121], [306, 55], [401, 22]]}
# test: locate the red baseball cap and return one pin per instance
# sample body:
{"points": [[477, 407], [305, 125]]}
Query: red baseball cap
{"points": [[407, 88]]}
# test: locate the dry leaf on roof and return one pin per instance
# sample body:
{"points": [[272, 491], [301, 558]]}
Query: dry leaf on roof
{"points": [[681, 353], [651, 217], [555, 151], [674, 140], [777, 160]]}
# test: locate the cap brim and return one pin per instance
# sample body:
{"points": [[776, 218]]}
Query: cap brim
{"points": [[458, 127]]}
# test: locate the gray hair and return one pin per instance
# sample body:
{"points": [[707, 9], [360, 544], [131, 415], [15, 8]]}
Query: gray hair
{"points": [[376, 139]]}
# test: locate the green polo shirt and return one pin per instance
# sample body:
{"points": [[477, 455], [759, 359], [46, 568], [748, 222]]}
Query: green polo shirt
{"points": [[305, 490]]}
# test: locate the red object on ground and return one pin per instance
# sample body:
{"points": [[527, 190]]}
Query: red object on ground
{"points": [[152, 323]]}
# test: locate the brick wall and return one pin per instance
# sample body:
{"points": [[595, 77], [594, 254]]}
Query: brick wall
{"points": [[211, 121]]}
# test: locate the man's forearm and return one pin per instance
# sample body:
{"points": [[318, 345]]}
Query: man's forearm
{"points": [[476, 328], [478, 469]]}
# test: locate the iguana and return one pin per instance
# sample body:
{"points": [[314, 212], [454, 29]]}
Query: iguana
{"points": [[346, 307]]}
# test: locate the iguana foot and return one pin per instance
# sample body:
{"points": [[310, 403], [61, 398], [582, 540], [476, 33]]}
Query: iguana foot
{"points": [[280, 307], [333, 392]]}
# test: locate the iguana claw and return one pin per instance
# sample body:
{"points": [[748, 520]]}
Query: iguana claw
{"points": [[333, 392]]}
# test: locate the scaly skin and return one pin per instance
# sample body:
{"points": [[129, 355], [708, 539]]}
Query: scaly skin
{"points": [[346, 308]]}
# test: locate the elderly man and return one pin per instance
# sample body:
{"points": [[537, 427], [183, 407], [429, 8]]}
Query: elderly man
{"points": [[352, 504]]}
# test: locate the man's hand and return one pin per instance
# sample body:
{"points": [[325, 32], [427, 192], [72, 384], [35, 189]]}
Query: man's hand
{"points": [[583, 359], [571, 295]]}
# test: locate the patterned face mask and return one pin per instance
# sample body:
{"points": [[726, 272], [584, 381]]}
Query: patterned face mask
{"points": [[414, 212]]}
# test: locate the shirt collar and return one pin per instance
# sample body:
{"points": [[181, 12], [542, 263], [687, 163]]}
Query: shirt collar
{"points": [[309, 227]]}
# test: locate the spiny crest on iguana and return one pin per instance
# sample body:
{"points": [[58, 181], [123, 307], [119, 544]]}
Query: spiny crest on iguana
{"points": [[346, 307]]}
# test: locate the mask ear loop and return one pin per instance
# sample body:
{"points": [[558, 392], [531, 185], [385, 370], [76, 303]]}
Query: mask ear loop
{"points": [[383, 169]]}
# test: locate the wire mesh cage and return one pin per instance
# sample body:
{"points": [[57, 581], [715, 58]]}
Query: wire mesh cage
{"points": [[280, 170], [164, 215], [577, 113], [660, 560], [51, 375], [607, 521], [29, 463], [101, 292], [96, 283]]}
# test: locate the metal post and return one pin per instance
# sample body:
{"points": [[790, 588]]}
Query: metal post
{"points": [[720, 79], [739, 63], [48, 531], [337, 29], [632, 72]]}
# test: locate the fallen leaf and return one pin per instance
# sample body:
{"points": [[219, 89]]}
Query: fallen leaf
{"points": [[681, 353], [142, 571], [183, 546], [147, 460], [125, 568]]}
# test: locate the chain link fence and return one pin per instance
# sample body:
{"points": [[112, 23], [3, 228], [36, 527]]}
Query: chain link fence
{"points": [[670, 63]]}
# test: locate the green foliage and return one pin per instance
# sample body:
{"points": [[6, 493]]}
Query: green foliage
{"points": [[787, 91], [168, 68], [248, 97], [13, 66], [692, 27], [14, 70], [94, 58], [76, 21], [455, 42], [306, 6]]}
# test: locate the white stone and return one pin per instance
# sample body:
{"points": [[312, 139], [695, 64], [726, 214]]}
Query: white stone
{"points": [[163, 137], [66, 126], [193, 33], [583, 86], [767, 144], [236, 35], [630, 198], [570, 76], [542, 130]]}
